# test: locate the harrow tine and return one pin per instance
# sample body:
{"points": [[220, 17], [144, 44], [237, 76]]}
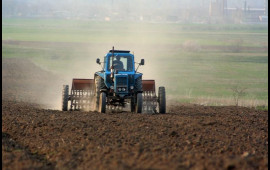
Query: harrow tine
{"points": [[149, 102], [82, 94]]}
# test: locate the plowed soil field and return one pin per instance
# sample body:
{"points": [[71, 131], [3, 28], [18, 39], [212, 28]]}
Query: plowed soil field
{"points": [[187, 137]]}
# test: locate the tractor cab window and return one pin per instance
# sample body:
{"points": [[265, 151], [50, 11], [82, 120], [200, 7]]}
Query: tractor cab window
{"points": [[121, 63]]}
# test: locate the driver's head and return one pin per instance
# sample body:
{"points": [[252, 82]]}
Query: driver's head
{"points": [[118, 58]]}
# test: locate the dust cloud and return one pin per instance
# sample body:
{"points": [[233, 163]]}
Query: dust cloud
{"points": [[24, 81], [39, 83]]}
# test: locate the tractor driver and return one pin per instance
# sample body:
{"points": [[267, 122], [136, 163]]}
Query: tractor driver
{"points": [[117, 64]]}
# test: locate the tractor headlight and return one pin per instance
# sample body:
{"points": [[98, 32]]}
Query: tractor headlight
{"points": [[131, 87], [123, 89], [119, 89]]}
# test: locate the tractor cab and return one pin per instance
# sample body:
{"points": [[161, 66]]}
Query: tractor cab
{"points": [[119, 62]]}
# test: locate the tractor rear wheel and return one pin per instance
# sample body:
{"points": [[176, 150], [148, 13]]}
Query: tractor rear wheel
{"points": [[99, 84], [102, 103], [138, 84], [65, 98], [139, 103], [162, 99]]}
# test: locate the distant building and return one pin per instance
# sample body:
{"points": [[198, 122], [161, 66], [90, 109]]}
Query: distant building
{"points": [[249, 11], [172, 18], [217, 7]]}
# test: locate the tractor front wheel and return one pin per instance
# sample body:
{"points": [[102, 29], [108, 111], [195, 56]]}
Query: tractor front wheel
{"points": [[65, 98], [139, 103], [102, 102]]}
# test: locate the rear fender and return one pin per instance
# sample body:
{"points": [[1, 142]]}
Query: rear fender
{"points": [[102, 75], [104, 90], [137, 75]]}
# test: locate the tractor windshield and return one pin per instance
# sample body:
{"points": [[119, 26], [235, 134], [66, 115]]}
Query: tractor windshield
{"points": [[121, 63]]}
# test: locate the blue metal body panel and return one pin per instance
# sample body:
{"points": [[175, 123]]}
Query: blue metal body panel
{"points": [[101, 74]]}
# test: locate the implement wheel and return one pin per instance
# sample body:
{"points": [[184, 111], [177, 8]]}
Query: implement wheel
{"points": [[132, 104], [162, 100], [139, 103], [102, 103], [65, 98]]}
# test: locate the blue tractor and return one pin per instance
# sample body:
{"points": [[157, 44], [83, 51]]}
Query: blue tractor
{"points": [[118, 84]]}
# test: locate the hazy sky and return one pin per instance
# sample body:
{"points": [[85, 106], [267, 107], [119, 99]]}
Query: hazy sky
{"points": [[130, 7]]}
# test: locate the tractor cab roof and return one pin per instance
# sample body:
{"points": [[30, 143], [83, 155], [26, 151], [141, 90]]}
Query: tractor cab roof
{"points": [[119, 51]]}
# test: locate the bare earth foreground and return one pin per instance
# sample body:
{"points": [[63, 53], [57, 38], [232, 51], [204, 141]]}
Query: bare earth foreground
{"points": [[187, 137]]}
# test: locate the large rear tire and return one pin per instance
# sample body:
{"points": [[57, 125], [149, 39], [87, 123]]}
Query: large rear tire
{"points": [[138, 85], [102, 103], [139, 103], [65, 98], [162, 100], [99, 84]]}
